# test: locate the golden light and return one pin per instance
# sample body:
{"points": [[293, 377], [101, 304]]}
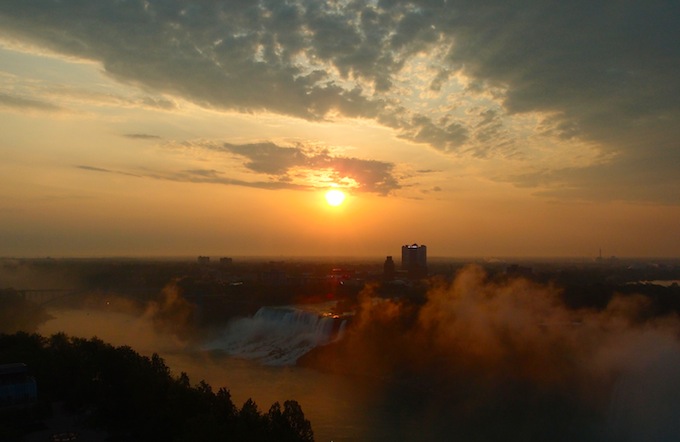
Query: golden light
{"points": [[335, 197]]}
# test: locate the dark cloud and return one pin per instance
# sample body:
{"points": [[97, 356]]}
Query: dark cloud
{"points": [[606, 73], [206, 173], [439, 80], [157, 103], [370, 175], [423, 171], [269, 158], [202, 176], [446, 137], [637, 177], [142, 136], [286, 167], [193, 177], [95, 169], [230, 54], [609, 72], [14, 101], [100, 169]]}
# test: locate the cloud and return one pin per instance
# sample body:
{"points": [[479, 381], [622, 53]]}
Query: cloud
{"points": [[297, 168], [222, 54], [207, 173], [95, 169], [639, 177], [201, 176], [268, 158], [603, 73], [358, 174], [447, 137], [142, 136], [102, 170], [23, 103], [608, 72]]}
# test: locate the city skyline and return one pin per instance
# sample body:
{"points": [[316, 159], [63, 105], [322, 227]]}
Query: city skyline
{"points": [[180, 128]]}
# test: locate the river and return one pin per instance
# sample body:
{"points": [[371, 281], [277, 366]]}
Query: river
{"points": [[340, 408], [353, 408]]}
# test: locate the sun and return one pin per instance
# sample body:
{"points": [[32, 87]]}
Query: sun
{"points": [[335, 197]]}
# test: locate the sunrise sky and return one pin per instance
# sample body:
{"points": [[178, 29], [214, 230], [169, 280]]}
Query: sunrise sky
{"points": [[478, 128]]}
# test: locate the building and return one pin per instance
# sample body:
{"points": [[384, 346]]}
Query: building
{"points": [[204, 260], [274, 274], [414, 260], [389, 268]]}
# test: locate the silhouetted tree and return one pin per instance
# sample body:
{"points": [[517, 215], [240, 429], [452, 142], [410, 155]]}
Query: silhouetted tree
{"points": [[295, 418], [135, 397]]}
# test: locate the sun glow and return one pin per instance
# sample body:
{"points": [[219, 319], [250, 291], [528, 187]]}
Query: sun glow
{"points": [[335, 197]]}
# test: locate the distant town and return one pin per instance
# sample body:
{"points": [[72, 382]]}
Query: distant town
{"points": [[222, 287]]}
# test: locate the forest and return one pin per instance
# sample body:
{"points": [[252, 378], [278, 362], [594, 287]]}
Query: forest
{"points": [[134, 397]]}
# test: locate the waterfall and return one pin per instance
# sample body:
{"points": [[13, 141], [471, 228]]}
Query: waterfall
{"points": [[279, 335]]}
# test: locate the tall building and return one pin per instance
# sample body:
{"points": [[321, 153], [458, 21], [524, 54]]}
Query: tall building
{"points": [[388, 268], [414, 260]]}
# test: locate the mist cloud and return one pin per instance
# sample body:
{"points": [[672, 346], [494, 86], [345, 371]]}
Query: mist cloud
{"points": [[171, 313], [510, 354]]}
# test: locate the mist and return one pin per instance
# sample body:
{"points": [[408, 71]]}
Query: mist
{"points": [[158, 326], [478, 358], [504, 359]]}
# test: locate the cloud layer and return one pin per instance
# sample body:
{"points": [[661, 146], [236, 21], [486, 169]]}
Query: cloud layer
{"points": [[354, 173], [280, 167], [451, 74]]}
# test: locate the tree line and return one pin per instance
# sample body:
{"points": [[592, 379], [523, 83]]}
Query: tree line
{"points": [[134, 397]]}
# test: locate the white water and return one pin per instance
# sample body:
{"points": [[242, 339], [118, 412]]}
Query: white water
{"points": [[278, 335]]}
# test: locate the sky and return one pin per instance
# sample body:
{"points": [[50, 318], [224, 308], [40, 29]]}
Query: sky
{"points": [[478, 128]]}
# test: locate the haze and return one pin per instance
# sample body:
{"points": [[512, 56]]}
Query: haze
{"points": [[149, 128], [548, 350]]}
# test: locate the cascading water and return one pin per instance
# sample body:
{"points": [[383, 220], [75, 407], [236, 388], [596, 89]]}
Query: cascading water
{"points": [[279, 335]]}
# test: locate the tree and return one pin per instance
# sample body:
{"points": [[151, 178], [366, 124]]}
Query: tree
{"points": [[135, 397], [302, 428], [224, 407]]}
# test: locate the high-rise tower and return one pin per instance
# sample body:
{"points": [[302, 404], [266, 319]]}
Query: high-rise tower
{"points": [[414, 260]]}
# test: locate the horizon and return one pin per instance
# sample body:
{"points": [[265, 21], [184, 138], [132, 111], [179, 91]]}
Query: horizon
{"points": [[214, 258]]}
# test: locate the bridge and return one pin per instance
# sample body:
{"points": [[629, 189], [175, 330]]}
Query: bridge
{"points": [[44, 296]]}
